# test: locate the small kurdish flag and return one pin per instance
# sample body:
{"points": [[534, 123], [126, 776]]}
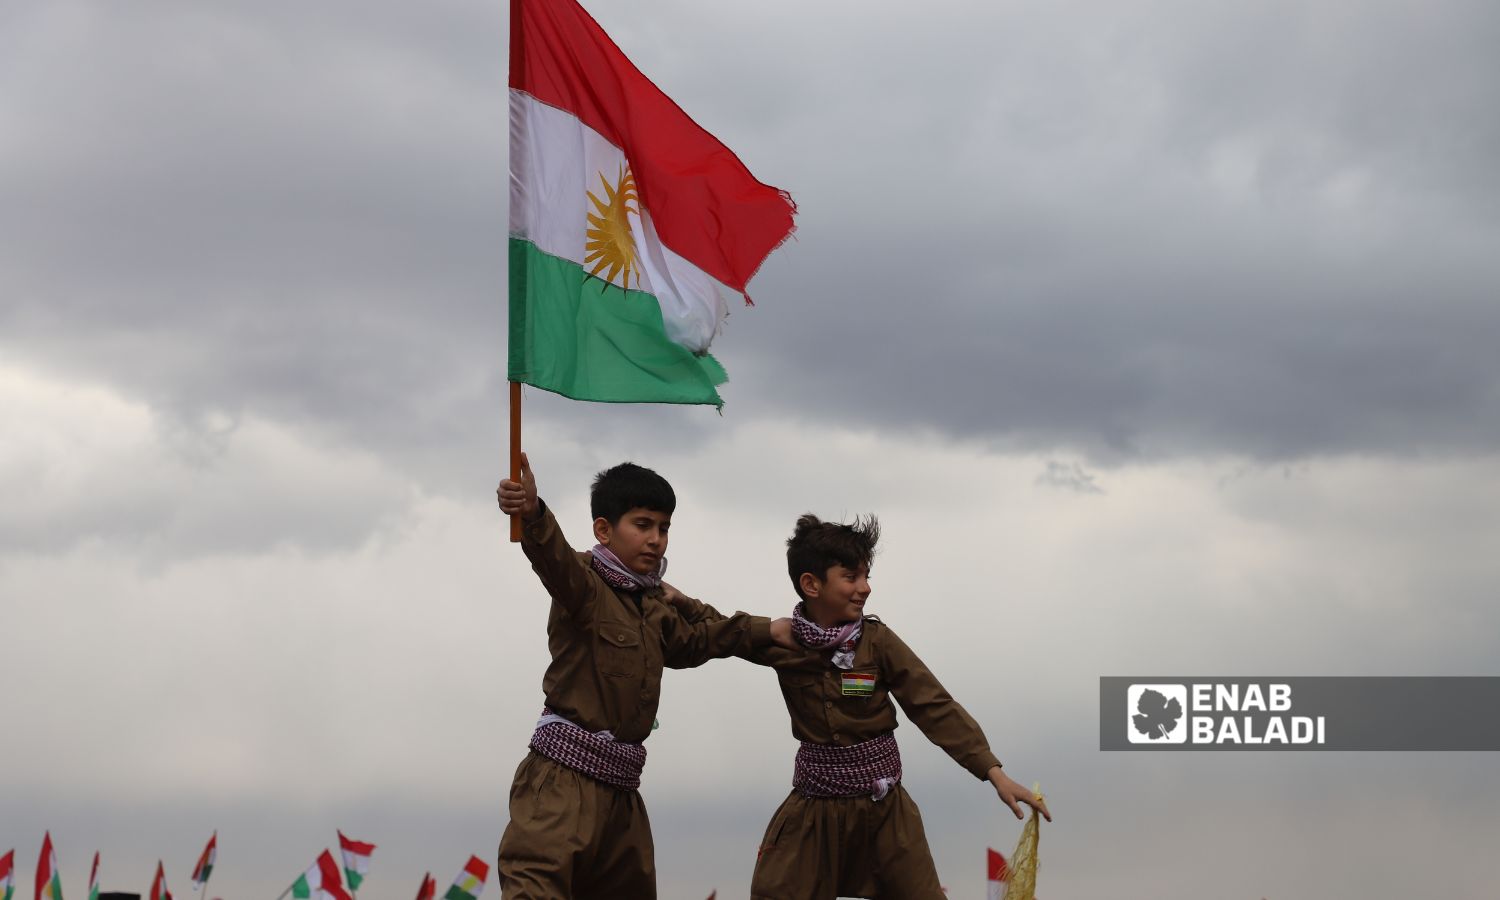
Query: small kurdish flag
{"points": [[356, 860], [48, 882], [470, 882], [428, 888], [322, 880], [94, 878], [858, 684], [624, 213], [205, 866], [7, 875], [997, 873], [159, 885]]}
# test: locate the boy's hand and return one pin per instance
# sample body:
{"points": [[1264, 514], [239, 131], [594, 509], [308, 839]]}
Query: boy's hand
{"points": [[781, 633], [1013, 793], [675, 597], [519, 497]]}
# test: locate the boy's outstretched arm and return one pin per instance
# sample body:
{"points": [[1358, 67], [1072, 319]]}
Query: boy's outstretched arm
{"points": [[555, 563], [695, 632], [946, 723]]}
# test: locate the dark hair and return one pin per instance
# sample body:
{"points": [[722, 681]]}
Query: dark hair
{"points": [[817, 546], [619, 489]]}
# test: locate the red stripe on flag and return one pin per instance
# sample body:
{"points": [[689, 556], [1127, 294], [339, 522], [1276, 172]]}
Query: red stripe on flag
{"points": [[704, 202], [999, 871], [478, 868], [44, 865], [353, 846], [428, 888], [333, 879], [7, 863]]}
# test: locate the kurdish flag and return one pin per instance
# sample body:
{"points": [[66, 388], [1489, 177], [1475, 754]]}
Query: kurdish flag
{"points": [[623, 214], [997, 873], [428, 888], [94, 878], [8, 875], [322, 880], [48, 882], [159, 885], [470, 882], [356, 860], [205, 866]]}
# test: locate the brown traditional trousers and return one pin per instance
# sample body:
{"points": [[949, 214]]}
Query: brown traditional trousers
{"points": [[819, 848], [573, 837]]}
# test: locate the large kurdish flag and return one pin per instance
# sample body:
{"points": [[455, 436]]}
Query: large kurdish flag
{"points": [[624, 213]]}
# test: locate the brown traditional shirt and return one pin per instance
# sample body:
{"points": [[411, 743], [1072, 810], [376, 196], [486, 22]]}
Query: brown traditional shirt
{"points": [[829, 705], [608, 647]]}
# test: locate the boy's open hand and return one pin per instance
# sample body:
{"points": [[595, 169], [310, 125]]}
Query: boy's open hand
{"points": [[519, 497], [781, 633], [1014, 793]]}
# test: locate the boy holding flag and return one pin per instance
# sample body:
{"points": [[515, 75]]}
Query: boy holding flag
{"points": [[578, 827]]}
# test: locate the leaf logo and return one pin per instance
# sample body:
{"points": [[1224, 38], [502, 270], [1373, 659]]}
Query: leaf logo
{"points": [[1156, 713]]}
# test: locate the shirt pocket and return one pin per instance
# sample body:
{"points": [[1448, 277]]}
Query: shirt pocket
{"points": [[617, 651]]}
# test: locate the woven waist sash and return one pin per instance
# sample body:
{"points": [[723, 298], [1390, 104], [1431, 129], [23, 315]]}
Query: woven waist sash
{"points": [[871, 767], [594, 753]]}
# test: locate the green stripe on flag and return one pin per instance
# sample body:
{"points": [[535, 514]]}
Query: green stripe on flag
{"points": [[354, 878], [301, 889], [584, 338]]}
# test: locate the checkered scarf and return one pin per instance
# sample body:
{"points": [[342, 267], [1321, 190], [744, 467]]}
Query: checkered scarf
{"points": [[620, 576], [825, 770], [815, 637], [594, 753]]}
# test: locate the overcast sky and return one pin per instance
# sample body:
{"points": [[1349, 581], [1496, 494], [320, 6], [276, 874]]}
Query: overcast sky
{"points": [[1160, 335]]}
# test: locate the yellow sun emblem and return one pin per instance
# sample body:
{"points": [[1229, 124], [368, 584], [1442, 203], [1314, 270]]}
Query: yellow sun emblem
{"points": [[610, 244]]}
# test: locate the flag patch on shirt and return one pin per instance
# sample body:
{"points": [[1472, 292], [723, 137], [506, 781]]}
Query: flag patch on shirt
{"points": [[858, 685]]}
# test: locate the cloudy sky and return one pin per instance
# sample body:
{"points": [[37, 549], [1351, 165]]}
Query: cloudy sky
{"points": [[1159, 334]]}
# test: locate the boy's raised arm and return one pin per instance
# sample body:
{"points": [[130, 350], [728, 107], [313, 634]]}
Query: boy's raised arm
{"points": [[553, 560]]}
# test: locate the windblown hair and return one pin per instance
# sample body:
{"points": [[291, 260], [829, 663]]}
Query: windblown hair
{"points": [[619, 489], [817, 546]]}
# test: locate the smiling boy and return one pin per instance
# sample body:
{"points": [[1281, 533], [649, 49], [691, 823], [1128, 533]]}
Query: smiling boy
{"points": [[578, 827], [848, 828]]}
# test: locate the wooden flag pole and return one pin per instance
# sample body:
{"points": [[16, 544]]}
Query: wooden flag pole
{"points": [[515, 453]]}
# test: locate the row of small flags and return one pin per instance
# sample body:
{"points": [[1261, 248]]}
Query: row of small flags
{"points": [[324, 881]]}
